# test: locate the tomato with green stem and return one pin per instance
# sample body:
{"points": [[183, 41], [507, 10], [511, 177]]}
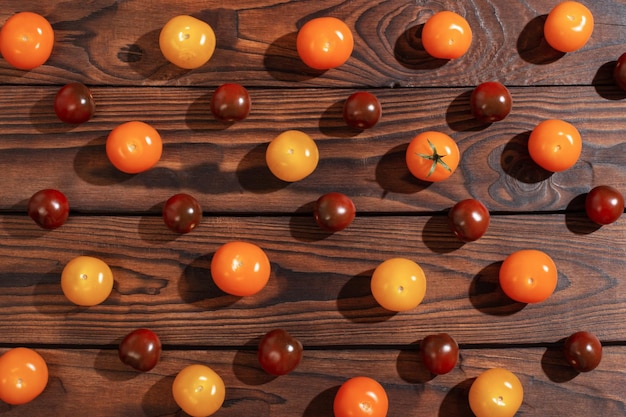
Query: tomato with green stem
{"points": [[432, 156]]}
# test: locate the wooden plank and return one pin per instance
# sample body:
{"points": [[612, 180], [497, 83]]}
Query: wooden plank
{"points": [[224, 166], [116, 43], [96, 383], [319, 286]]}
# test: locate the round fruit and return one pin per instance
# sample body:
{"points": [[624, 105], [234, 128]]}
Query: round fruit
{"points": [[568, 26], [469, 220], [583, 351], [26, 40], [439, 352], [23, 376], [182, 213], [490, 102], [187, 42], [240, 268], [324, 43], [555, 145], [432, 156], [199, 390], [334, 211], [619, 72], [361, 397], [496, 392], [134, 147], [86, 281], [398, 284], [140, 349], [528, 276], [292, 156], [49, 208], [279, 352], [74, 103], [362, 110], [446, 35], [230, 103], [604, 204]]}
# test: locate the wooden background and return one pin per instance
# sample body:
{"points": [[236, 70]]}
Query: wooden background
{"points": [[319, 287]]}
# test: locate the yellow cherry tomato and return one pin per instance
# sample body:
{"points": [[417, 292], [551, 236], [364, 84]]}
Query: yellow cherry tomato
{"points": [[86, 281], [497, 392], [398, 284], [198, 390], [292, 156], [23, 376], [187, 42]]}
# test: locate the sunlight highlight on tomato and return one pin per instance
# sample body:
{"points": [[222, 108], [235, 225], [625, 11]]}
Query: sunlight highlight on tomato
{"points": [[199, 390], [555, 145], [497, 392], [187, 42], [26, 40], [240, 268], [134, 147], [569, 26], [23, 376], [86, 281], [528, 276], [446, 35], [292, 156], [398, 284], [361, 396], [324, 43]]}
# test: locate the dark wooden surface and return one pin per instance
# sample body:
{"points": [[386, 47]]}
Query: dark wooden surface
{"points": [[319, 287]]}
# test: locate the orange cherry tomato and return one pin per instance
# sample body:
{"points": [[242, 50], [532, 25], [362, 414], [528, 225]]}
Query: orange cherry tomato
{"points": [[134, 147], [528, 276], [86, 281], [240, 268], [198, 390], [26, 40], [361, 397], [497, 392], [324, 43], [432, 156], [292, 156], [398, 284], [187, 42], [23, 375], [555, 145], [446, 35], [568, 26]]}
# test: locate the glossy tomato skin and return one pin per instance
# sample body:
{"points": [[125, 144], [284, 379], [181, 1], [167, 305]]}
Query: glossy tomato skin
{"points": [[528, 276], [86, 281], [619, 72], [555, 145], [490, 102], [496, 392], [199, 390], [362, 110], [398, 284], [439, 353], [49, 208], [569, 26], [74, 103], [182, 213], [187, 42], [23, 376], [604, 204], [469, 219], [446, 35], [292, 156], [583, 351], [26, 40], [140, 349], [134, 147], [361, 396], [230, 103], [324, 43], [334, 211], [432, 156], [279, 352], [240, 268]]}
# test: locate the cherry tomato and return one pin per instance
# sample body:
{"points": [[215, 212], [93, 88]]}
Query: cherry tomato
{"points": [[292, 156], [604, 204], [469, 219], [439, 352], [279, 352], [361, 397], [490, 102], [140, 349], [86, 281], [568, 26], [182, 213], [362, 110], [398, 284], [23, 376], [497, 392], [334, 211], [528, 276], [619, 72], [555, 145], [240, 268], [134, 147], [198, 390], [230, 103], [74, 103], [26, 40], [432, 156], [446, 35], [583, 351], [49, 208], [324, 43], [187, 42]]}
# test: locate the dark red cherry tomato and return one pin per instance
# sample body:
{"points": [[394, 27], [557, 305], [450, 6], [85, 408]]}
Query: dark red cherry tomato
{"points": [[469, 220], [583, 351], [439, 352], [362, 110], [49, 208], [619, 73], [182, 213], [74, 103], [140, 349], [279, 352], [230, 103], [490, 102], [334, 211], [604, 204]]}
